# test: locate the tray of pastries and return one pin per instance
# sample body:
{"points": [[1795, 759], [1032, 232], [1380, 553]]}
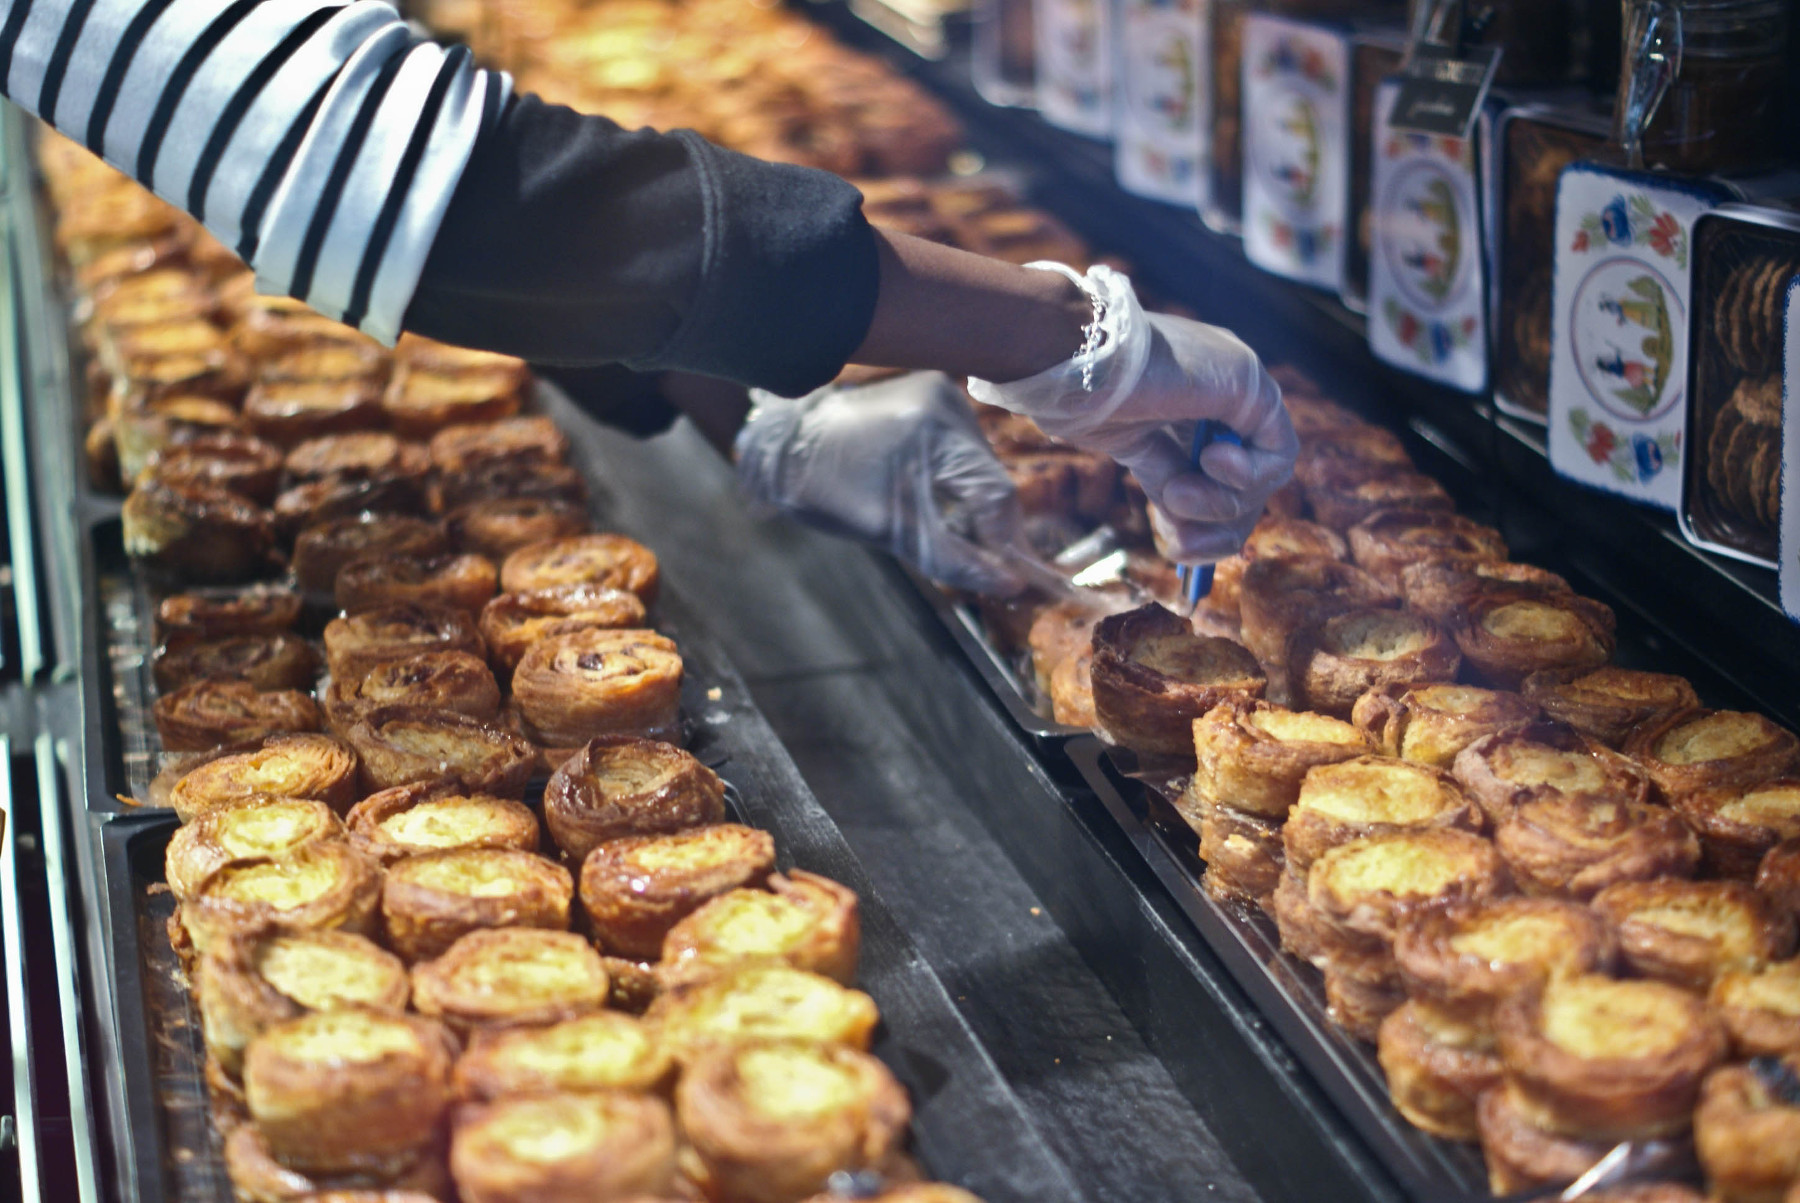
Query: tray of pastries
{"points": [[1744, 258], [441, 854]]}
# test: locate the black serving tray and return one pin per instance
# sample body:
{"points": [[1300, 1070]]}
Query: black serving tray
{"points": [[154, 1142]]}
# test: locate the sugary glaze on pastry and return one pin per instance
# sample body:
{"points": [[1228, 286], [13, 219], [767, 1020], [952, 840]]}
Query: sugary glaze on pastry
{"points": [[512, 622], [321, 885], [636, 887], [1510, 939], [1747, 1129], [1377, 790], [1253, 755], [431, 900], [207, 713], [1432, 1083], [754, 1002], [564, 1146], [464, 582], [511, 975], [499, 526], [1522, 763], [1576, 846], [595, 682], [1718, 736], [403, 744], [1775, 805], [1688, 932], [281, 660], [1760, 1008], [356, 643], [1152, 676], [445, 680], [1432, 723], [1602, 1019], [600, 1051], [609, 560], [1608, 702], [1531, 620], [288, 766], [1713, 749], [411, 819], [260, 610], [1378, 635], [329, 970], [802, 919], [243, 829], [1405, 865]]}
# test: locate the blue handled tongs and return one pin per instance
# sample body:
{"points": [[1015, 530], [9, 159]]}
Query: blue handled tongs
{"points": [[1196, 580]]}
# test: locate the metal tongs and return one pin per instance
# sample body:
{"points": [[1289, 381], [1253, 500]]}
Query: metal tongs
{"points": [[1196, 580]]}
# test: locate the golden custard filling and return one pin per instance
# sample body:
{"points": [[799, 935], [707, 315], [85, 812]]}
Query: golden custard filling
{"points": [[1776, 806], [1288, 726], [1535, 764], [747, 923], [684, 853], [1725, 926], [1714, 737], [1397, 867], [320, 977], [547, 1130], [284, 885], [545, 972], [1450, 699], [795, 1083], [461, 388], [599, 1049], [776, 1001], [1775, 989], [459, 745], [444, 823], [637, 773], [1384, 635], [1529, 620], [1603, 1019], [473, 874], [268, 829], [1518, 940], [332, 1036], [1375, 793]]}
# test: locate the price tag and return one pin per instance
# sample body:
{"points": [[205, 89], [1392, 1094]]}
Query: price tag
{"points": [[1441, 93]]}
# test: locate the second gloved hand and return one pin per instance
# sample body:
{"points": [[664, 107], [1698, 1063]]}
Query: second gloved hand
{"points": [[900, 464], [1137, 397]]}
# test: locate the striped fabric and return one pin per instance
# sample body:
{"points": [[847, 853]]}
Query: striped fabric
{"points": [[320, 140]]}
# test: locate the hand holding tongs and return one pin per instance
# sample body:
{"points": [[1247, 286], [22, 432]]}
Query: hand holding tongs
{"points": [[1196, 580]]}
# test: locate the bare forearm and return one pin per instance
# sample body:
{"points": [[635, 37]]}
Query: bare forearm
{"points": [[945, 309]]}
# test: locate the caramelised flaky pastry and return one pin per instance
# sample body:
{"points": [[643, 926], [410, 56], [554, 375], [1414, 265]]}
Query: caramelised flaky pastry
{"points": [[285, 766], [1072, 691], [1279, 596], [760, 1002], [1439, 590], [1433, 723], [398, 745], [512, 622], [1597, 1059], [532, 1149], [1371, 795], [426, 816], [257, 1177], [356, 643], [1333, 663], [1738, 826], [364, 454], [420, 403], [196, 533], [1459, 962], [256, 979], [1152, 677], [772, 1121], [237, 463], [1522, 1155], [335, 498], [1340, 502], [324, 885], [321, 551], [1574, 846], [801, 919], [534, 439], [281, 660], [1609, 703], [594, 682], [1252, 754], [260, 610], [1505, 771], [459, 582], [1272, 538], [1296, 921], [1747, 1130], [1364, 890], [1434, 1076], [1352, 451], [1242, 851], [620, 786], [428, 902], [634, 888], [499, 526], [207, 713], [348, 1089], [603, 1050], [289, 412], [610, 560], [243, 829], [1505, 639], [515, 478], [1713, 749], [1778, 877], [455, 681], [1760, 1008], [1387, 541], [509, 976], [1066, 629], [1689, 932]]}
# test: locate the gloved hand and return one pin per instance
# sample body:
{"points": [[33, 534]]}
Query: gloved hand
{"points": [[900, 464], [1137, 398]]}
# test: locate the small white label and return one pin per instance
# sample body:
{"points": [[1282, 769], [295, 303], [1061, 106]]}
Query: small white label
{"points": [[1296, 149], [1619, 330], [1426, 273], [1161, 99], [1074, 62]]}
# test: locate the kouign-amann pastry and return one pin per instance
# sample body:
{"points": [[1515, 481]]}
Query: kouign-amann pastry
{"points": [[237, 463], [1152, 677], [1505, 639], [341, 498], [243, 829], [1574, 846], [499, 526], [535, 439], [1341, 502], [1778, 877], [398, 745], [289, 412], [1371, 795], [1253, 755], [608, 1145], [287, 766], [281, 660], [1738, 826], [194, 617], [1280, 596], [512, 622], [634, 888], [461, 582], [1747, 1130], [1365, 889], [609, 560], [1271, 538], [426, 816], [1608, 703], [1433, 723], [420, 403], [1387, 541], [325, 885], [207, 713], [1760, 1008], [321, 551], [1334, 663], [452, 681], [599, 1051], [430, 901], [1440, 590], [510, 976], [760, 1002], [802, 919], [1505, 771], [356, 643], [365, 454], [197, 533], [1690, 932], [1433, 1082], [1242, 851], [621, 786], [1713, 749], [593, 682], [1523, 1155]]}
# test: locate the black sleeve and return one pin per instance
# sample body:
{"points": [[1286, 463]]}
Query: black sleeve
{"points": [[573, 242]]}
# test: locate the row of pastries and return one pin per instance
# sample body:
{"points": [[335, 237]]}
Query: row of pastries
{"points": [[418, 977], [1558, 895]]}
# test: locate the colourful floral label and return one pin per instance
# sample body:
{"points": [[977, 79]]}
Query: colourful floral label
{"points": [[1619, 335], [1296, 103], [1426, 270], [1161, 91], [1075, 60]]}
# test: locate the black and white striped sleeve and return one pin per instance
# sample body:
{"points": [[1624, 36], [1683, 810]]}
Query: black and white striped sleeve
{"points": [[321, 140]]}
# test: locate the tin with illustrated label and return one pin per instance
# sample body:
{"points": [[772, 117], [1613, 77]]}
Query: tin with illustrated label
{"points": [[1619, 329], [1075, 65], [1161, 98], [1296, 103]]}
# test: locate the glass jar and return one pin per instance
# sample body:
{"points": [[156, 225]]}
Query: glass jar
{"points": [[1004, 56], [1720, 66]]}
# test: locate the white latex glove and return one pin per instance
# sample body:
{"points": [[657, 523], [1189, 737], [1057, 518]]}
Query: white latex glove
{"points": [[900, 464], [1153, 377]]}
